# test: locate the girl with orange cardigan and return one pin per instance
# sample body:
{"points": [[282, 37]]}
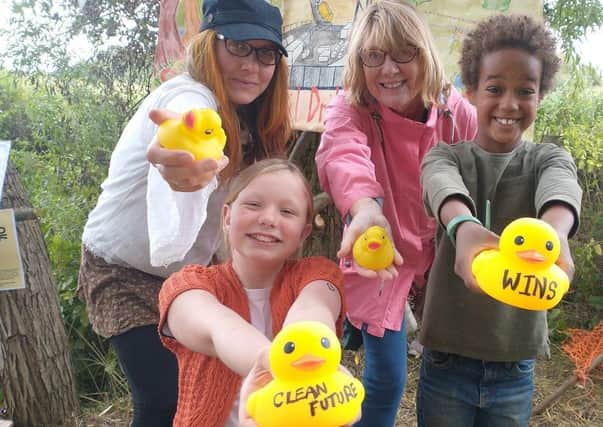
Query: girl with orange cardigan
{"points": [[220, 320]]}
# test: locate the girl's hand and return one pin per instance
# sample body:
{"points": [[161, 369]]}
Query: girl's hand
{"points": [[471, 239], [178, 167], [257, 378], [347, 372], [366, 213]]}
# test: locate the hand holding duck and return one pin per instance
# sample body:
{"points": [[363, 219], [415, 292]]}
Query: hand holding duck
{"points": [[307, 386], [522, 272]]}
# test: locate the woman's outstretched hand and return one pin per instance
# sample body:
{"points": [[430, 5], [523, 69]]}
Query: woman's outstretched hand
{"points": [[178, 167], [368, 213]]}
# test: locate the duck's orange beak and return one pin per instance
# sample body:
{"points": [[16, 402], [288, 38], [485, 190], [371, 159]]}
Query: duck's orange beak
{"points": [[530, 256], [308, 362]]}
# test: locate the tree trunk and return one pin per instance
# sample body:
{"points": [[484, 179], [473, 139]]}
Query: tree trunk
{"points": [[326, 233], [35, 364]]}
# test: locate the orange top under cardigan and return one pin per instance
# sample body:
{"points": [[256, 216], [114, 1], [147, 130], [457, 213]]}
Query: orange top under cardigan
{"points": [[206, 387]]}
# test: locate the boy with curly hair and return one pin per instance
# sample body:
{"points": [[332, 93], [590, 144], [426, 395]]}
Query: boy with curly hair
{"points": [[478, 360]]}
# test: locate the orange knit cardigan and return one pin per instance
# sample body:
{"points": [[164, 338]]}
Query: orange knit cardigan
{"points": [[206, 387]]}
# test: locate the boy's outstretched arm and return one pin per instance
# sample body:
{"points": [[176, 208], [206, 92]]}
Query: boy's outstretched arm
{"points": [[562, 218], [471, 238]]}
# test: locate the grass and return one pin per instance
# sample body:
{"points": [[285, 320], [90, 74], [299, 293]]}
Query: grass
{"points": [[578, 406]]}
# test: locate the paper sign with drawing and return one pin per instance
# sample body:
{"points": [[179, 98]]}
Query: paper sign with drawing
{"points": [[315, 34]]}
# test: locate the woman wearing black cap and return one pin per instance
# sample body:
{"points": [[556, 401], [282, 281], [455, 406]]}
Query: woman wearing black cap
{"points": [[143, 228]]}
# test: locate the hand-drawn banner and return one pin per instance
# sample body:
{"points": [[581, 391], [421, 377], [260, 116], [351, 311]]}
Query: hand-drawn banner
{"points": [[315, 33]]}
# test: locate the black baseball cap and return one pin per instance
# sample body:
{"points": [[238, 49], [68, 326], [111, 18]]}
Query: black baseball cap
{"points": [[244, 20]]}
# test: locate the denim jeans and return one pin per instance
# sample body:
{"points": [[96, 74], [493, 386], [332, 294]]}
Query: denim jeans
{"points": [[152, 374], [384, 377], [458, 391]]}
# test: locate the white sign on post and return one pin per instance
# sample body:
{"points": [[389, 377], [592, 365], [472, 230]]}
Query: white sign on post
{"points": [[4, 149]]}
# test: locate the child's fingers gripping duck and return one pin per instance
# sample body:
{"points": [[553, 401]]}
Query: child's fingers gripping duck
{"points": [[258, 377], [555, 216], [366, 213], [471, 239], [565, 260]]}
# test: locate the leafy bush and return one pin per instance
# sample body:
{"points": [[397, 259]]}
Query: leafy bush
{"points": [[63, 135], [572, 116]]}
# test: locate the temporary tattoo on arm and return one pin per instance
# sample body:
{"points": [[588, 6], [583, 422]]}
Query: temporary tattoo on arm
{"points": [[331, 287]]}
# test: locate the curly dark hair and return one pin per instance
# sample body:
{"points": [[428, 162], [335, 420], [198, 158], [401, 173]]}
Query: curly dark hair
{"points": [[509, 31]]}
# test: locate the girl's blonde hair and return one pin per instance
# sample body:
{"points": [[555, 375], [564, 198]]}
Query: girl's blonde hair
{"points": [[271, 109], [266, 166], [386, 24]]}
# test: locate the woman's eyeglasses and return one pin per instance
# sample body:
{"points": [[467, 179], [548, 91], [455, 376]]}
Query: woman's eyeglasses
{"points": [[265, 55], [376, 57]]}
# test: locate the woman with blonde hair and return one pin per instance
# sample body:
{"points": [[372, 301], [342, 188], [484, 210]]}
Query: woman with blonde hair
{"points": [[396, 105], [143, 227]]}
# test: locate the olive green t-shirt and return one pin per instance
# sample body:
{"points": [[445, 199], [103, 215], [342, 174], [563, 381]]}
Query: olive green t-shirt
{"points": [[517, 184]]}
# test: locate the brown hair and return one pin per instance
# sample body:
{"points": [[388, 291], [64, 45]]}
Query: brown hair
{"points": [[272, 124], [388, 23], [509, 31]]}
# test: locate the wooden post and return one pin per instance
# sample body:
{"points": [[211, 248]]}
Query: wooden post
{"points": [[35, 365]]}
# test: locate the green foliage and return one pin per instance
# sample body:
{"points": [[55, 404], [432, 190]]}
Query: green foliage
{"points": [[117, 37], [572, 117], [572, 19], [62, 137]]}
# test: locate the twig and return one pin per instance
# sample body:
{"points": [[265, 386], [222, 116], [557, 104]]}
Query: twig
{"points": [[321, 201], [563, 387]]}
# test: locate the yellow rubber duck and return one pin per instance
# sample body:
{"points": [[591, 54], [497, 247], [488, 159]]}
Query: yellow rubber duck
{"points": [[308, 390], [522, 272], [198, 131], [373, 250]]}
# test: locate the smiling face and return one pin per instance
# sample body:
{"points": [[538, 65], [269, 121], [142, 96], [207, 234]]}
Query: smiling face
{"points": [[396, 86], [245, 78], [268, 221], [506, 98]]}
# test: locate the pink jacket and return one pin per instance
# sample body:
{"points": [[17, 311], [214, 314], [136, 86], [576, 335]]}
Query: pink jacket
{"points": [[353, 163]]}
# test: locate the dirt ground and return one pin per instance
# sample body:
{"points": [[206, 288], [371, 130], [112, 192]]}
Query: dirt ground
{"points": [[578, 406]]}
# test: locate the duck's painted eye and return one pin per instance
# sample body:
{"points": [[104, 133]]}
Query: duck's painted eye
{"points": [[549, 245], [519, 240], [289, 347], [325, 342]]}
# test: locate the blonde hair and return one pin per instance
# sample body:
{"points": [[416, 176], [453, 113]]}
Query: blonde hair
{"points": [[271, 109], [388, 23]]}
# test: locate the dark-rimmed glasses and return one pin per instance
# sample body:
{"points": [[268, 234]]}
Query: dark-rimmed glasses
{"points": [[376, 57], [265, 55]]}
